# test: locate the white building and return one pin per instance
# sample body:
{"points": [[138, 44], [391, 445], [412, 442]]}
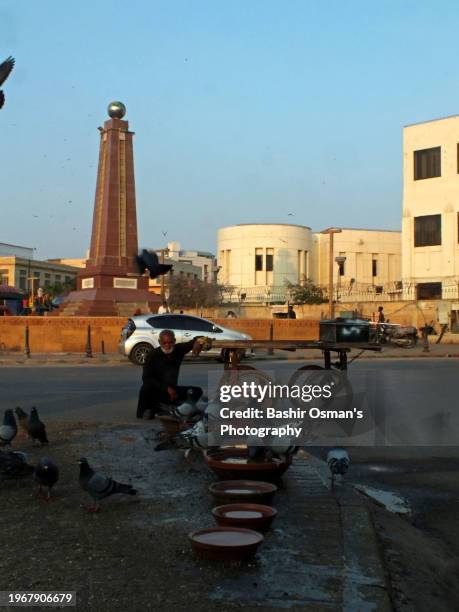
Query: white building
{"points": [[430, 238], [257, 260], [15, 250], [205, 261]]}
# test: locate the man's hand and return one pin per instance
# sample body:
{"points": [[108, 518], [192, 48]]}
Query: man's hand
{"points": [[201, 344], [197, 348], [172, 393]]}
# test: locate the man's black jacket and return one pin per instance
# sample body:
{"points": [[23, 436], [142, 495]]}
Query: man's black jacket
{"points": [[161, 370]]}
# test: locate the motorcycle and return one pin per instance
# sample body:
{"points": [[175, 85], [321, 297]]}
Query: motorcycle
{"points": [[405, 336]]}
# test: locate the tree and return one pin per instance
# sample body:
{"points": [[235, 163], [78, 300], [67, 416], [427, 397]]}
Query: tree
{"points": [[306, 292], [60, 288], [193, 293]]}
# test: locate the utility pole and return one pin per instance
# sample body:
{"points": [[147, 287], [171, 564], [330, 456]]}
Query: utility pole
{"points": [[330, 231]]}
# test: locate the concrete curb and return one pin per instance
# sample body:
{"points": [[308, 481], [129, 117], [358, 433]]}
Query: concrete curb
{"points": [[365, 586], [9, 360]]}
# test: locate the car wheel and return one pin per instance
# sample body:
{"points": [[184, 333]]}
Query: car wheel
{"points": [[139, 353]]}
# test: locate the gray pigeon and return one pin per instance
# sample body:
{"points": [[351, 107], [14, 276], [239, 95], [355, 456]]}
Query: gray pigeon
{"points": [[13, 464], [9, 429], [46, 474], [36, 429], [99, 486], [5, 68]]}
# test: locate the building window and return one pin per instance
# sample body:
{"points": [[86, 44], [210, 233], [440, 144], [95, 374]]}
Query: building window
{"points": [[58, 278], [374, 267], [258, 261], [341, 265], [68, 279], [269, 262], [427, 230], [4, 277], [429, 291], [427, 163]]}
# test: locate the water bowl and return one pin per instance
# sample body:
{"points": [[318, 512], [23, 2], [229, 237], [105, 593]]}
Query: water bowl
{"points": [[233, 463], [242, 491], [250, 516], [226, 543]]}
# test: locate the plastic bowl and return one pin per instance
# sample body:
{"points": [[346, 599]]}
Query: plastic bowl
{"points": [[226, 543], [250, 516], [242, 491]]}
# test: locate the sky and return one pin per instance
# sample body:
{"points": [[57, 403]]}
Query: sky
{"points": [[243, 111]]}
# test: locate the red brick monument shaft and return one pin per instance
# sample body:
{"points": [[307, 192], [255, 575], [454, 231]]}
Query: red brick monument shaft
{"points": [[110, 283]]}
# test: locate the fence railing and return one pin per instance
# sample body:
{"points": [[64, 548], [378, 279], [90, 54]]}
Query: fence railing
{"points": [[343, 292]]}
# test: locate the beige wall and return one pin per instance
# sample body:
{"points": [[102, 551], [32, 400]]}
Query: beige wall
{"points": [[437, 195], [360, 247]]}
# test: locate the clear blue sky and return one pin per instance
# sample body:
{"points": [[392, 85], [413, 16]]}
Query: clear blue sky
{"points": [[243, 110]]}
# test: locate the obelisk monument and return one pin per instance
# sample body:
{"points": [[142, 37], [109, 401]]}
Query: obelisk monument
{"points": [[110, 285]]}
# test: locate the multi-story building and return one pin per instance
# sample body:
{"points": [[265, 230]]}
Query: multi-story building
{"points": [[19, 269], [201, 259], [430, 237]]}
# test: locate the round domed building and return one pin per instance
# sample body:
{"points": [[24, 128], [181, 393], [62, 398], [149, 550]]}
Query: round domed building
{"points": [[258, 258]]}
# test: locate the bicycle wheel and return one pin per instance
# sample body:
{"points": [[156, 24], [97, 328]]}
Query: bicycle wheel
{"points": [[342, 388]]}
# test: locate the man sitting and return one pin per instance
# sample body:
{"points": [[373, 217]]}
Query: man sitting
{"points": [[161, 373]]}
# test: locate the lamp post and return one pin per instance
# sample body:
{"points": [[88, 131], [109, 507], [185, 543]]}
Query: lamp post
{"points": [[163, 280], [340, 261], [330, 231]]}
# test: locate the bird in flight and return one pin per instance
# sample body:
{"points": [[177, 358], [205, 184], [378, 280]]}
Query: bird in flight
{"points": [[164, 233], [5, 68]]}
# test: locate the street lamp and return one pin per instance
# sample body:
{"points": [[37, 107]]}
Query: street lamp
{"points": [[331, 231], [340, 259]]}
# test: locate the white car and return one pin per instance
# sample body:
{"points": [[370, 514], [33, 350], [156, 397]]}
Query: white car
{"points": [[141, 333]]}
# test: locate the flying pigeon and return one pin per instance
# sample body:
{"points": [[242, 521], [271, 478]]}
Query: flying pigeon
{"points": [[9, 429], [148, 260], [5, 68], [46, 474], [99, 486], [13, 464], [36, 429], [23, 417], [338, 462]]}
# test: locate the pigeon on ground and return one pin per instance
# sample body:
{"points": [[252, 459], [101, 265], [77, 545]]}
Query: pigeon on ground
{"points": [[338, 462], [5, 68], [36, 429], [99, 486], [13, 464], [186, 409], [196, 437], [9, 429], [46, 474], [23, 417], [148, 260]]}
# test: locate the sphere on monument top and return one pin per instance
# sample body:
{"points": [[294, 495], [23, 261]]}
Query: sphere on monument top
{"points": [[116, 110]]}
